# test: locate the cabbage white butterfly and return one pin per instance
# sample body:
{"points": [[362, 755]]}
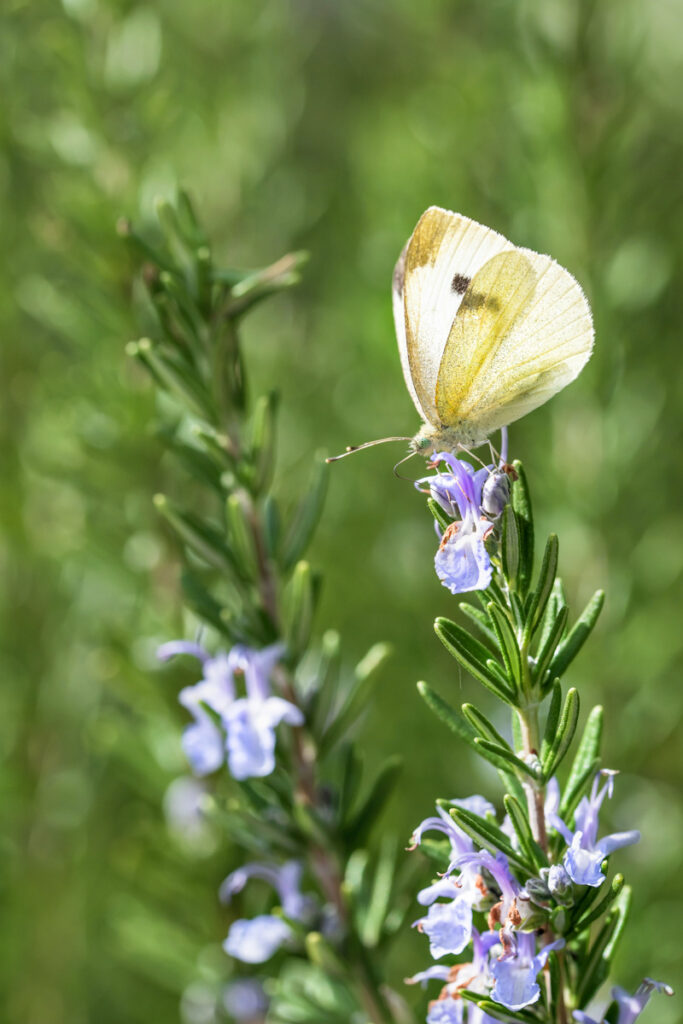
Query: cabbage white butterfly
{"points": [[486, 331]]}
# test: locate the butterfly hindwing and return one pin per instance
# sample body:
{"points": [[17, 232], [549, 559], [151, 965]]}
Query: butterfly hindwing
{"points": [[496, 297]]}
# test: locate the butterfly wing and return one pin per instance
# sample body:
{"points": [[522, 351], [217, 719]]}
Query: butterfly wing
{"points": [[522, 332], [431, 277], [397, 298]]}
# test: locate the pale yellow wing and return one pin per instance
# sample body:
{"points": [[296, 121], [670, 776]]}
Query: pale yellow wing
{"points": [[397, 286], [434, 270], [522, 333]]}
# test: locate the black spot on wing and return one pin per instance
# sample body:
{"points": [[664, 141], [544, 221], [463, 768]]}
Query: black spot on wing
{"points": [[460, 284]]}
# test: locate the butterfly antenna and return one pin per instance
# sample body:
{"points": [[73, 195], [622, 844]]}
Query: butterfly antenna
{"points": [[468, 451], [400, 463], [368, 444]]}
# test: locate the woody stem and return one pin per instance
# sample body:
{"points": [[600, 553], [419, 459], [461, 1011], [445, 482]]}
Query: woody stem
{"points": [[535, 791]]}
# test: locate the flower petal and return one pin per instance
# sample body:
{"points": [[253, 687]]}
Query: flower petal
{"points": [[552, 797], [462, 563], [617, 840], [584, 867], [284, 878], [446, 1011], [173, 647], [255, 941], [277, 709], [631, 1006], [203, 745], [237, 879], [245, 1000], [442, 490], [515, 983], [439, 971], [445, 887], [258, 667], [448, 927], [477, 805], [250, 740]]}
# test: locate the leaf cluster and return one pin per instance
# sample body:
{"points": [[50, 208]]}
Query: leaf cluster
{"points": [[246, 579]]}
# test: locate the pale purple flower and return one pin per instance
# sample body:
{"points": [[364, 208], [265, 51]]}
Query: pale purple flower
{"points": [[480, 978], [476, 804], [552, 799], [183, 807], [249, 722], [443, 888], [202, 741], [474, 976], [459, 840], [515, 985], [583, 860], [254, 941], [445, 1011], [630, 1006], [514, 906], [438, 972], [284, 878], [245, 1000], [462, 562], [448, 926], [250, 726]]}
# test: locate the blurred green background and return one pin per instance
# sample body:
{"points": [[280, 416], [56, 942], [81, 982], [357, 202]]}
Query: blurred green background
{"points": [[328, 126]]}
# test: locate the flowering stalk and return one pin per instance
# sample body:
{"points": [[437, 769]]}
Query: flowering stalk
{"points": [[531, 892], [527, 898], [263, 702]]}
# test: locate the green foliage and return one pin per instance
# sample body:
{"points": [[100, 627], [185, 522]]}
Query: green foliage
{"points": [[447, 714], [116, 103]]}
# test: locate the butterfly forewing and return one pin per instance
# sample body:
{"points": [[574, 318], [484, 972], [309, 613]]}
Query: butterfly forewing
{"points": [[522, 333], [444, 253], [400, 322]]}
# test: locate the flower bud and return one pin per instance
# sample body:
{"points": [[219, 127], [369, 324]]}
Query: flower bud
{"points": [[495, 494]]}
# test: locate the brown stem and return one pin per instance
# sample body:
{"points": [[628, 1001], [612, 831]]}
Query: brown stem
{"points": [[325, 866], [267, 586]]}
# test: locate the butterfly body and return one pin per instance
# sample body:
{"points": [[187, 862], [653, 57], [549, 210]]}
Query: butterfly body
{"points": [[487, 331], [433, 438]]}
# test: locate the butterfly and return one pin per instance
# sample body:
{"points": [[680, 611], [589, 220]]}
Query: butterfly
{"points": [[486, 331]]}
